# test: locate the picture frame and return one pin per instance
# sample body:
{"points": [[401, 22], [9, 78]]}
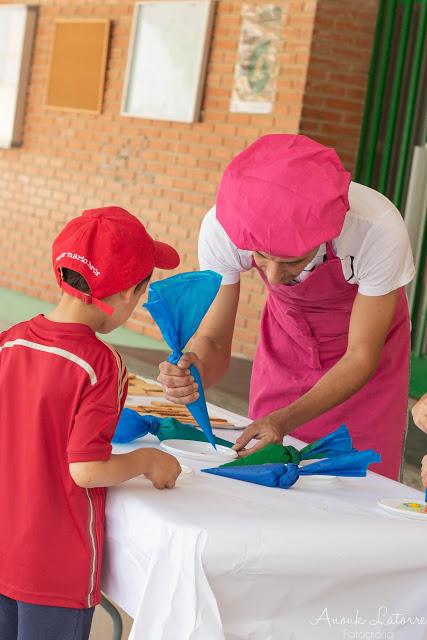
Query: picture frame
{"points": [[167, 59], [17, 29], [78, 65], [257, 65]]}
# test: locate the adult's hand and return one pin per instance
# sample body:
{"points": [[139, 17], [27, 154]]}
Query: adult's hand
{"points": [[177, 381], [419, 413], [266, 430]]}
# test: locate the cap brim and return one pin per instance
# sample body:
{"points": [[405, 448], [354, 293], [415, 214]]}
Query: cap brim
{"points": [[166, 257]]}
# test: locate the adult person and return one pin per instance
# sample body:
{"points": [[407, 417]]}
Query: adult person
{"points": [[334, 336], [419, 414]]}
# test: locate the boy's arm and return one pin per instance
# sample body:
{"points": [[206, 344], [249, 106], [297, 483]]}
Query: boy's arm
{"points": [[159, 467], [90, 460]]}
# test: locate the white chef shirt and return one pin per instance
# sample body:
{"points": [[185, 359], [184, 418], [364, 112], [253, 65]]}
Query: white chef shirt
{"points": [[373, 246]]}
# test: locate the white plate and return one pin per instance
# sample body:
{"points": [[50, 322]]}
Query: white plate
{"points": [[187, 471], [237, 422], [393, 505], [185, 475], [314, 479], [229, 427], [202, 451]]}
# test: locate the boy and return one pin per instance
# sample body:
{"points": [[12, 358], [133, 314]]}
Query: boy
{"points": [[61, 394]]}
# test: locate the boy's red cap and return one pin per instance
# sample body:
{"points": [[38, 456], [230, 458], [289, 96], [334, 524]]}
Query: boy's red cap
{"points": [[112, 250]]}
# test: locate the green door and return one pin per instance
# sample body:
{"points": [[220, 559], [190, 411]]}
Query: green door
{"points": [[392, 154]]}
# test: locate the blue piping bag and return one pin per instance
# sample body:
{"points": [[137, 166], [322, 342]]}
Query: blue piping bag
{"points": [[132, 426], [353, 464], [178, 305], [333, 444]]}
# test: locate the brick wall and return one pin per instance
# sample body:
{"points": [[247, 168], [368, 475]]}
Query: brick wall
{"points": [[167, 173], [338, 73]]}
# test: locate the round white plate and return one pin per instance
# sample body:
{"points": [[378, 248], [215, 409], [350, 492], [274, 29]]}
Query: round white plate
{"points": [[186, 471], [202, 451], [185, 475], [394, 505], [229, 427], [315, 480]]}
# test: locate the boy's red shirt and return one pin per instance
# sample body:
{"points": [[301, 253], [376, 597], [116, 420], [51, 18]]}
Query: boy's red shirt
{"points": [[61, 393]]}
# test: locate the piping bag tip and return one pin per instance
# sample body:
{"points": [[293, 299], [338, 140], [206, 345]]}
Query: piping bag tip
{"points": [[198, 409], [210, 437]]}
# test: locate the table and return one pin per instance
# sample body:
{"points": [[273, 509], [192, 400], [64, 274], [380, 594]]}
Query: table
{"points": [[218, 559]]}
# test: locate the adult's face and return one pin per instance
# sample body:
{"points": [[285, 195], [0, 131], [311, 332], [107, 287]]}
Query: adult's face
{"points": [[282, 270]]}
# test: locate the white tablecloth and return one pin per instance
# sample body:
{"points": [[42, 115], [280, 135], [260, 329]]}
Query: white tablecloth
{"points": [[218, 559]]}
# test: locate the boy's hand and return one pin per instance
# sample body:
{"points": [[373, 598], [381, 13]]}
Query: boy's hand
{"points": [[159, 467], [177, 380], [419, 413], [162, 469], [424, 472]]}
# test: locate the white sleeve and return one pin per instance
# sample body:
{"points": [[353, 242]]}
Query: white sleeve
{"points": [[385, 262], [218, 253]]}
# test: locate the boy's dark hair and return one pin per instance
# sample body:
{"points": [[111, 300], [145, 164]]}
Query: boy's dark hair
{"points": [[75, 280]]}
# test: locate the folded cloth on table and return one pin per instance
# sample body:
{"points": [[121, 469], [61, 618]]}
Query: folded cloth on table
{"points": [[335, 443], [132, 426]]}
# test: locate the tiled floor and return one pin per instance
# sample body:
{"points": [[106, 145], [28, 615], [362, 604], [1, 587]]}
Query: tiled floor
{"points": [[102, 627]]}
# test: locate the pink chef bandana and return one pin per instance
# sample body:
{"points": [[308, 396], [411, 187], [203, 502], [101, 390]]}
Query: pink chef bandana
{"points": [[283, 195]]}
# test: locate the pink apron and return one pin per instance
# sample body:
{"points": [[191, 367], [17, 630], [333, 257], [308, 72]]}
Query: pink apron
{"points": [[304, 332]]}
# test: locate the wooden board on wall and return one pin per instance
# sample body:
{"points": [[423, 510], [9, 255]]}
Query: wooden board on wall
{"points": [[167, 59], [78, 62]]}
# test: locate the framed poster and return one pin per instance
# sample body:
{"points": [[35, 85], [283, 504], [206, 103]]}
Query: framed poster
{"points": [[17, 26], [77, 66], [167, 59], [256, 69]]}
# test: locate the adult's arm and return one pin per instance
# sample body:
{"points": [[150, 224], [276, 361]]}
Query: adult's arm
{"points": [[419, 413], [424, 472], [370, 321], [210, 349]]}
